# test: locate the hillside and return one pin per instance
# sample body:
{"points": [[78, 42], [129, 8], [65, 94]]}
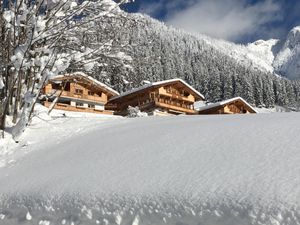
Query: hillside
{"points": [[217, 68], [212, 170]]}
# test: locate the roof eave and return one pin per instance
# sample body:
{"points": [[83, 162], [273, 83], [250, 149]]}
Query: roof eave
{"points": [[89, 78]]}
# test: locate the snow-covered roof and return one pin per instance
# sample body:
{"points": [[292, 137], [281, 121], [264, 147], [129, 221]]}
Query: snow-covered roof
{"points": [[159, 83], [217, 104], [89, 78]]}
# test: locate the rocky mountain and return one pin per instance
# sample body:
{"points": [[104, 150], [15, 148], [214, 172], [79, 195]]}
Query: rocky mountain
{"points": [[263, 53], [287, 61], [281, 57]]}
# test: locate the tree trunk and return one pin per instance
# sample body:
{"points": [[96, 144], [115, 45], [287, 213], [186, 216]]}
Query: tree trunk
{"points": [[56, 99]]}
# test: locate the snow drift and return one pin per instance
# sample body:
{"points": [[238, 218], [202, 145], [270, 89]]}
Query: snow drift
{"points": [[202, 170]]}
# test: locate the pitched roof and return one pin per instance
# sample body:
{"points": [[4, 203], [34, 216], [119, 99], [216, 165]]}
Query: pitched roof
{"points": [[89, 79], [159, 84], [225, 102]]}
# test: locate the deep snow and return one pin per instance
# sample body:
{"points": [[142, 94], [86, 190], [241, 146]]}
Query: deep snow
{"points": [[202, 170]]}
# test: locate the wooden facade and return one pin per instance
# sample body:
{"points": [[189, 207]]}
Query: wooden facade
{"points": [[231, 106], [165, 97], [79, 93]]}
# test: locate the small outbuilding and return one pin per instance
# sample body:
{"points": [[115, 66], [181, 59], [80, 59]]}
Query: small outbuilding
{"points": [[173, 96], [231, 106], [78, 92]]}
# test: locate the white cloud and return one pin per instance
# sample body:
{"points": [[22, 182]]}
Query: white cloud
{"points": [[226, 19]]}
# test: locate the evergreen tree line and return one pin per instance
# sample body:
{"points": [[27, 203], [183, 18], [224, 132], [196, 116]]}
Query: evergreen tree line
{"points": [[159, 52]]}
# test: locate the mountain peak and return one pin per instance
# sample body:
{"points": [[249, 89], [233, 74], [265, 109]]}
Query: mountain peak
{"points": [[296, 29], [287, 60], [293, 38], [265, 42]]}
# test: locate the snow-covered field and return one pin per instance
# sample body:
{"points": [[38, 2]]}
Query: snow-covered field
{"points": [[184, 170]]}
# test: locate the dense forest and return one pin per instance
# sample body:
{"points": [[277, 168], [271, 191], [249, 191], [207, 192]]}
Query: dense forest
{"points": [[159, 52]]}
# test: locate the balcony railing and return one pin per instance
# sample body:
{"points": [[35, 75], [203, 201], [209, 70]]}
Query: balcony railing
{"points": [[177, 106], [82, 96], [67, 107], [175, 96], [174, 107]]}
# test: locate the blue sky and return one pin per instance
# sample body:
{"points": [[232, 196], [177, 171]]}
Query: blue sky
{"points": [[240, 21]]}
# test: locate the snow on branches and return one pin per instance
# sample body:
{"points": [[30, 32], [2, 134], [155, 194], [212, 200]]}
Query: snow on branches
{"points": [[36, 45]]}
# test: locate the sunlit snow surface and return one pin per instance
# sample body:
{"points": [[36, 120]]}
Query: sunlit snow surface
{"points": [[202, 170]]}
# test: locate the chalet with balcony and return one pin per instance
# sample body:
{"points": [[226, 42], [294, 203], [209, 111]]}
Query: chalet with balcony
{"points": [[231, 106], [165, 97], [78, 92]]}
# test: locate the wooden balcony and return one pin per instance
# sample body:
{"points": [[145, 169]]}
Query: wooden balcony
{"points": [[83, 97], [175, 96], [66, 107], [113, 107], [179, 109], [176, 107]]}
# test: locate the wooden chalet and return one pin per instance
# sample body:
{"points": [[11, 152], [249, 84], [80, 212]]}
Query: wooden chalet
{"points": [[165, 97], [231, 106], [78, 92]]}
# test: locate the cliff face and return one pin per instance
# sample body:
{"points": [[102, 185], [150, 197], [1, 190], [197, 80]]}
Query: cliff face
{"points": [[287, 61]]}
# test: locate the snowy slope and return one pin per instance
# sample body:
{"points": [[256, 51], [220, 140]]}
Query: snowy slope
{"points": [[48, 130], [263, 52], [279, 56], [258, 55], [211, 170]]}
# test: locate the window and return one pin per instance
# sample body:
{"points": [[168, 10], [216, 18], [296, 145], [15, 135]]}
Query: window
{"points": [[67, 86], [65, 102], [243, 110], [79, 91], [56, 86], [79, 104], [90, 93], [186, 94], [91, 106], [152, 96]]}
